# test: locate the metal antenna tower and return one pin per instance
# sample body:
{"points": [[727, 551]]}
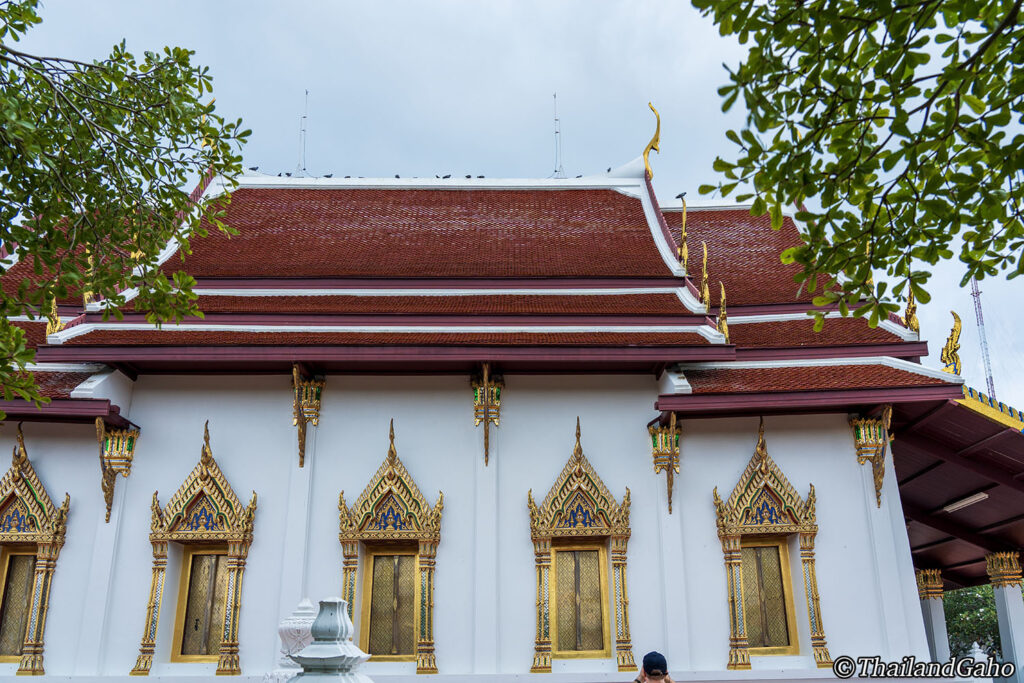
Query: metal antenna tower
{"points": [[559, 171], [301, 170], [980, 319]]}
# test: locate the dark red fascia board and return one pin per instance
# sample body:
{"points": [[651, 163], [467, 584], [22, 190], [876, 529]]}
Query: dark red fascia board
{"points": [[256, 354], [66, 410], [484, 284], [905, 350], [826, 400], [425, 319]]}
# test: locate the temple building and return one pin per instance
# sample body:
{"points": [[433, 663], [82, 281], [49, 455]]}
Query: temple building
{"points": [[523, 427]]}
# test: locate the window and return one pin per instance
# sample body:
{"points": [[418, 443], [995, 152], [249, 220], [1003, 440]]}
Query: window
{"points": [[18, 572], [768, 598], [390, 604], [202, 604], [580, 607]]}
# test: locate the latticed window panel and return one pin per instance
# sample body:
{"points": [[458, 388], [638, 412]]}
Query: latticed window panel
{"points": [[202, 629], [764, 597], [578, 603], [393, 606], [17, 597]]}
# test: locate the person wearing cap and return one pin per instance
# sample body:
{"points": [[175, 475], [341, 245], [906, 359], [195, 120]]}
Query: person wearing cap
{"points": [[654, 669]]}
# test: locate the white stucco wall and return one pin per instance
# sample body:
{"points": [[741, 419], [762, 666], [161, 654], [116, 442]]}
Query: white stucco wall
{"points": [[485, 577]]}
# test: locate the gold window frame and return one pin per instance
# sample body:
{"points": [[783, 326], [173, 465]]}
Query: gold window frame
{"points": [[5, 554], [787, 595], [389, 512], [202, 512], [41, 528], [184, 581], [557, 521], [372, 551], [764, 505], [602, 560]]}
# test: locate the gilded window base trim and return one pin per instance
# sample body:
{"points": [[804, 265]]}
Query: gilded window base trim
{"points": [[369, 519], [21, 486], [181, 521], [763, 484], [606, 518]]}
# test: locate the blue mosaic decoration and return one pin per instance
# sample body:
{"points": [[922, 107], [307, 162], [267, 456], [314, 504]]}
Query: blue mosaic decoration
{"points": [[765, 509], [389, 517], [578, 516], [15, 521], [201, 518]]}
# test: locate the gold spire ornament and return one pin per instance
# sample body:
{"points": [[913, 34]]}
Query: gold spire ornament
{"points": [[910, 315], [653, 144], [705, 292], [950, 355], [723, 321]]}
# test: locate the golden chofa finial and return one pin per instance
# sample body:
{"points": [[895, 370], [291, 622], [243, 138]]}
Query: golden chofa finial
{"points": [[910, 315], [950, 355], [53, 323], [684, 251], [653, 144], [206, 457], [723, 320], [705, 291], [578, 448]]}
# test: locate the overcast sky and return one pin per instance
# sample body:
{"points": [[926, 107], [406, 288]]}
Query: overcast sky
{"points": [[418, 89]]}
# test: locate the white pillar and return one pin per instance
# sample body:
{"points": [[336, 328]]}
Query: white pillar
{"points": [[486, 591], [295, 560], [1005, 574], [929, 589], [98, 608]]}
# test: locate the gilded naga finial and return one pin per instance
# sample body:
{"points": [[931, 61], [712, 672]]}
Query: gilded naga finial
{"points": [[578, 448], [53, 323], [20, 456], [723, 320], [705, 292], [206, 457], [950, 356], [684, 251], [653, 144], [910, 315], [761, 451]]}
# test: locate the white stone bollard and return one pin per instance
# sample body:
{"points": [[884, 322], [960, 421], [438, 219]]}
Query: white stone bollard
{"points": [[332, 654], [294, 632]]}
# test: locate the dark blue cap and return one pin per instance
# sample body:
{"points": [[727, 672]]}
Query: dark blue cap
{"points": [[655, 664]]}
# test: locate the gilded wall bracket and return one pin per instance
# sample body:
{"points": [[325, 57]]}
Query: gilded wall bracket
{"points": [[391, 509], [665, 449], [306, 406], [870, 438], [579, 505], [487, 388], [117, 451], [28, 516], [763, 502], [203, 510]]}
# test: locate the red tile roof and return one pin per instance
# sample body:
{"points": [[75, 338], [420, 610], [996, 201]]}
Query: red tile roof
{"points": [[111, 337], [35, 332], [59, 384], [792, 333], [510, 304], [815, 378], [402, 233], [743, 252]]}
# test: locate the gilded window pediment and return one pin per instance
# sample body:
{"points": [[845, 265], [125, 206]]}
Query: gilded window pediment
{"points": [[204, 508], [391, 506], [764, 501], [579, 504]]}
